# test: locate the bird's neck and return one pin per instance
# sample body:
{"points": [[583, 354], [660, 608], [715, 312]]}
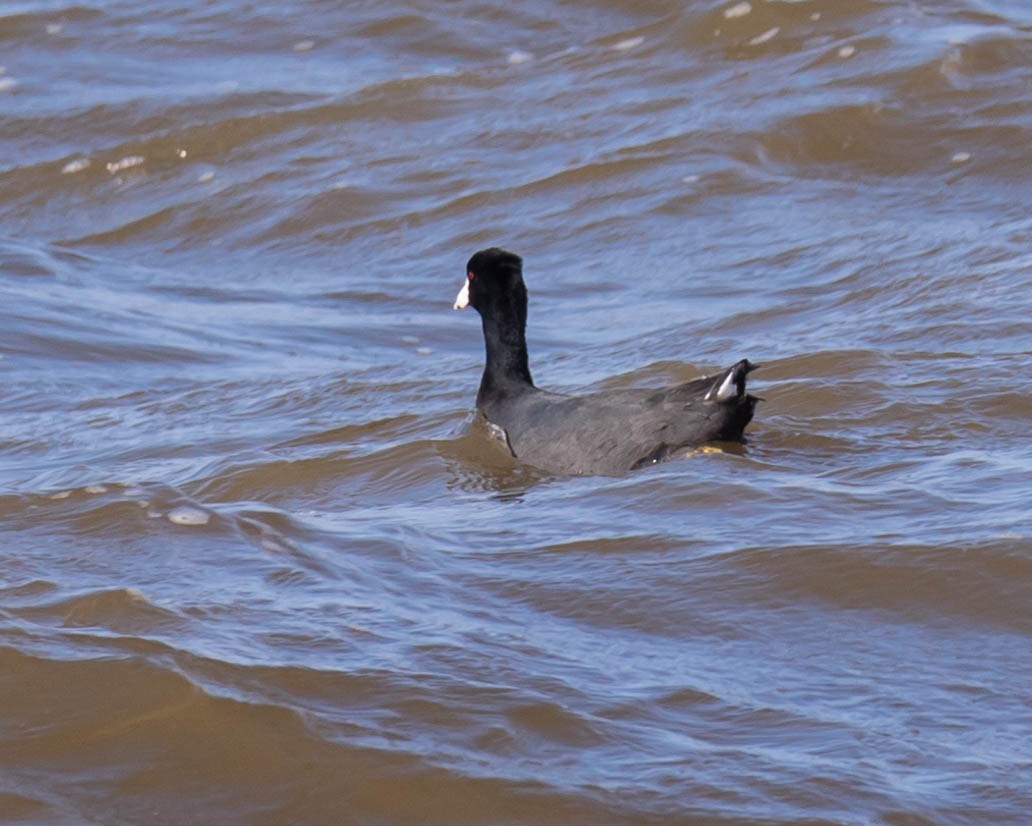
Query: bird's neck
{"points": [[507, 370]]}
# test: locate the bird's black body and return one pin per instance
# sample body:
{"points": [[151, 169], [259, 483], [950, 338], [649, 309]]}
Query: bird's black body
{"points": [[607, 432]]}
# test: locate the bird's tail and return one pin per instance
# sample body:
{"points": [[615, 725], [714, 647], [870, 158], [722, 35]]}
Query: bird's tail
{"points": [[731, 383]]}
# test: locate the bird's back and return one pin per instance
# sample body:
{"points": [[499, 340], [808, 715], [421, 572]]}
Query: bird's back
{"points": [[613, 431]]}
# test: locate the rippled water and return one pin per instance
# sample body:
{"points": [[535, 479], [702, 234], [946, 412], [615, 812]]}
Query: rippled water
{"points": [[258, 565]]}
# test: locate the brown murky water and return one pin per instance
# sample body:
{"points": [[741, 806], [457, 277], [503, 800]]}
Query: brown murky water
{"points": [[256, 567]]}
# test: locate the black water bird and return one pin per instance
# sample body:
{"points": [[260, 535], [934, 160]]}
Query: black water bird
{"points": [[606, 432]]}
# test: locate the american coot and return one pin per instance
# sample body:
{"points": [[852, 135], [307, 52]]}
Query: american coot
{"points": [[607, 432]]}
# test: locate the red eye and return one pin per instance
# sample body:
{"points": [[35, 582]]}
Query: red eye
{"points": [[469, 275]]}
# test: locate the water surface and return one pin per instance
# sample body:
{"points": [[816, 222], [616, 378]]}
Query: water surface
{"points": [[259, 566]]}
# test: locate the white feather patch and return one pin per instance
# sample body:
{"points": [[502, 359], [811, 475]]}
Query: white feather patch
{"points": [[727, 389]]}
